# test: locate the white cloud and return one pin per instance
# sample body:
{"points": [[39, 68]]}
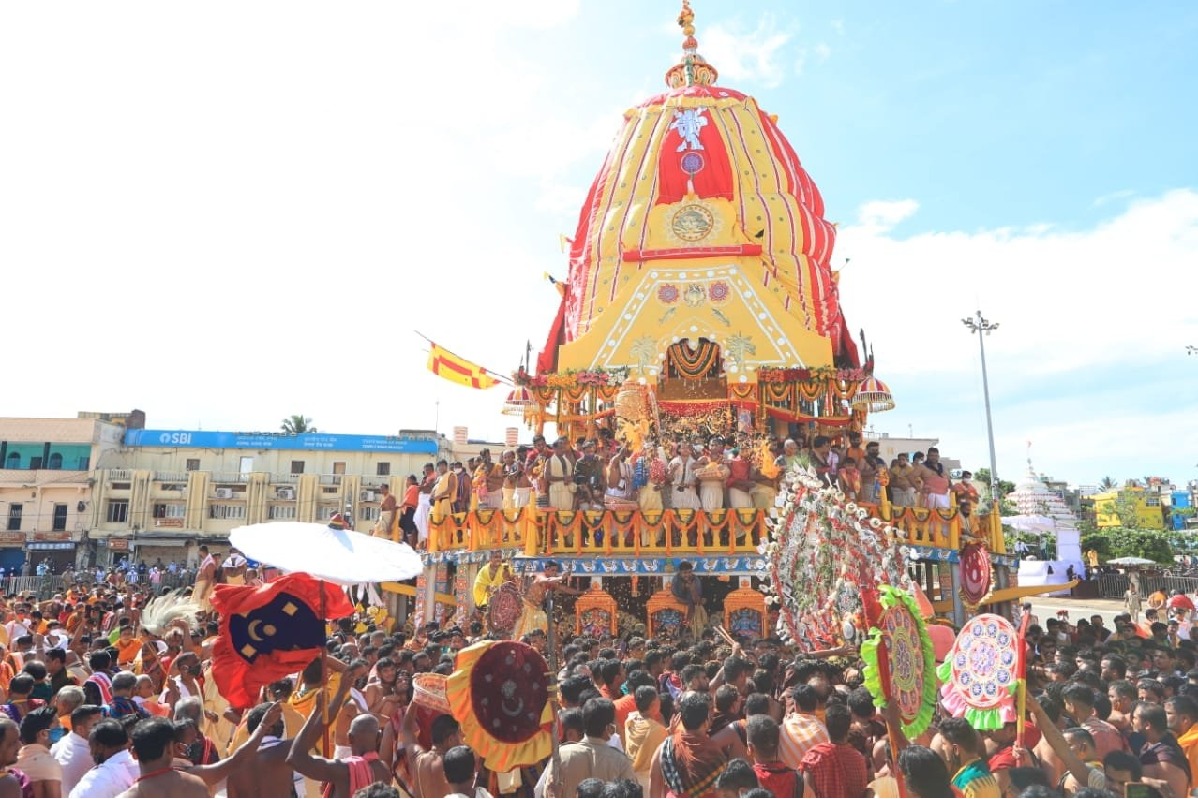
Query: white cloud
{"points": [[1114, 196], [823, 51], [1098, 307], [746, 55], [838, 26], [1064, 298], [881, 215]]}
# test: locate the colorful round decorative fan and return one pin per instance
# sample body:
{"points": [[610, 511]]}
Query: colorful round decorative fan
{"points": [[504, 608], [980, 675], [905, 676], [499, 693], [975, 575]]}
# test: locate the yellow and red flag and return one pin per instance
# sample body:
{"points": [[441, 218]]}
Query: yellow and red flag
{"points": [[457, 369]]}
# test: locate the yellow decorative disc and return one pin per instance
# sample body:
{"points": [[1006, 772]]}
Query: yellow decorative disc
{"points": [[692, 222]]}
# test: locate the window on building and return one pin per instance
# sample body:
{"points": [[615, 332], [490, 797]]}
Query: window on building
{"points": [[227, 512], [327, 512], [297, 467], [69, 456], [247, 464], [118, 511], [368, 514], [282, 511], [60, 518], [382, 469], [13, 461], [15, 509], [193, 464], [164, 511]]}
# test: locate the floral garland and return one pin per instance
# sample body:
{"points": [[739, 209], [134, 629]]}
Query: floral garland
{"points": [[823, 553], [767, 374], [694, 363], [572, 378]]}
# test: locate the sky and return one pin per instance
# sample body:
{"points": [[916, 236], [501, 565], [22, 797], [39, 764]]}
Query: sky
{"points": [[227, 213]]}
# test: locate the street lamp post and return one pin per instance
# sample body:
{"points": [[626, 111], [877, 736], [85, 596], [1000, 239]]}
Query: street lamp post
{"points": [[982, 326]]}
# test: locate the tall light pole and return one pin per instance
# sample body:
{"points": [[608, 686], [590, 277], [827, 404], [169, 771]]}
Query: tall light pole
{"points": [[982, 326]]}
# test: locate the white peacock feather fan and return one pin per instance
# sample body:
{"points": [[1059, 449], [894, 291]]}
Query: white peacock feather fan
{"points": [[162, 612]]}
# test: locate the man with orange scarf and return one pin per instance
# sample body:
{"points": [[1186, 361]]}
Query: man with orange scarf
{"points": [[688, 763]]}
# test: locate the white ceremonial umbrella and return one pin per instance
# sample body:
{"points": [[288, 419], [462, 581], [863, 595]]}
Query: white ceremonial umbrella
{"points": [[327, 551], [1131, 561], [1031, 523]]}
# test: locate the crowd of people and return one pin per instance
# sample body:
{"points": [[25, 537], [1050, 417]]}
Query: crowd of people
{"points": [[723, 471], [97, 704]]}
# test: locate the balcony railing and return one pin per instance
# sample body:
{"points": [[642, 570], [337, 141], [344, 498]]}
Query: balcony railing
{"points": [[671, 532], [171, 477], [120, 474]]}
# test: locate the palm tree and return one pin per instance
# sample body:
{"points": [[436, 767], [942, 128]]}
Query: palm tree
{"points": [[295, 425], [1107, 483]]}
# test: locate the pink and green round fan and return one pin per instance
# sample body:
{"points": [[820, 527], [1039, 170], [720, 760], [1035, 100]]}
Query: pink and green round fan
{"points": [[980, 675]]}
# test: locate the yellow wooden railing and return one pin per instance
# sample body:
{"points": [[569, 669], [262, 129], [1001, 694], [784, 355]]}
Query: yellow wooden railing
{"points": [[541, 532]]}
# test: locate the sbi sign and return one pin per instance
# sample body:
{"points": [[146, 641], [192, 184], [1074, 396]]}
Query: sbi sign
{"points": [[175, 439], [212, 439]]}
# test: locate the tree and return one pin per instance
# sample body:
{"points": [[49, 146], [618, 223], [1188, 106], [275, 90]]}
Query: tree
{"points": [[1125, 508], [1005, 488], [295, 425], [1108, 483]]}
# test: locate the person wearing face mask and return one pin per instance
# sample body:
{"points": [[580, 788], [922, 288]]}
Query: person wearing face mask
{"points": [[115, 771], [73, 752], [199, 749], [39, 731], [592, 757]]}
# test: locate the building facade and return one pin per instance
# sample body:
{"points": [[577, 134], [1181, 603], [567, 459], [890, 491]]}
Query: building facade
{"points": [[1132, 505], [47, 487], [171, 490]]}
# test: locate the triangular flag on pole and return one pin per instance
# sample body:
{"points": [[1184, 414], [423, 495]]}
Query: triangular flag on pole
{"points": [[457, 369]]}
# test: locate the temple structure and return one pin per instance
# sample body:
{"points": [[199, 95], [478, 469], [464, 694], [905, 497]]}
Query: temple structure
{"points": [[701, 267], [700, 300]]}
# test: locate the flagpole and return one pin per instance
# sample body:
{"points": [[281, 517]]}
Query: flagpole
{"points": [[491, 373], [325, 749], [551, 642]]}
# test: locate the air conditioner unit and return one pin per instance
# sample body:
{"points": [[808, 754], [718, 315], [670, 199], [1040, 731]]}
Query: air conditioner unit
{"points": [[224, 493], [285, 493], [368, 496]]}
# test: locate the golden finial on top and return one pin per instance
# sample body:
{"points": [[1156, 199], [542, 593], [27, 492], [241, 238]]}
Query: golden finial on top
{"points": [[686, 19], [693, 70]]}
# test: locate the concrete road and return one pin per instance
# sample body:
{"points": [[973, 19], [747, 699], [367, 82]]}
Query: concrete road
{"points": [[1046, 608]]}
